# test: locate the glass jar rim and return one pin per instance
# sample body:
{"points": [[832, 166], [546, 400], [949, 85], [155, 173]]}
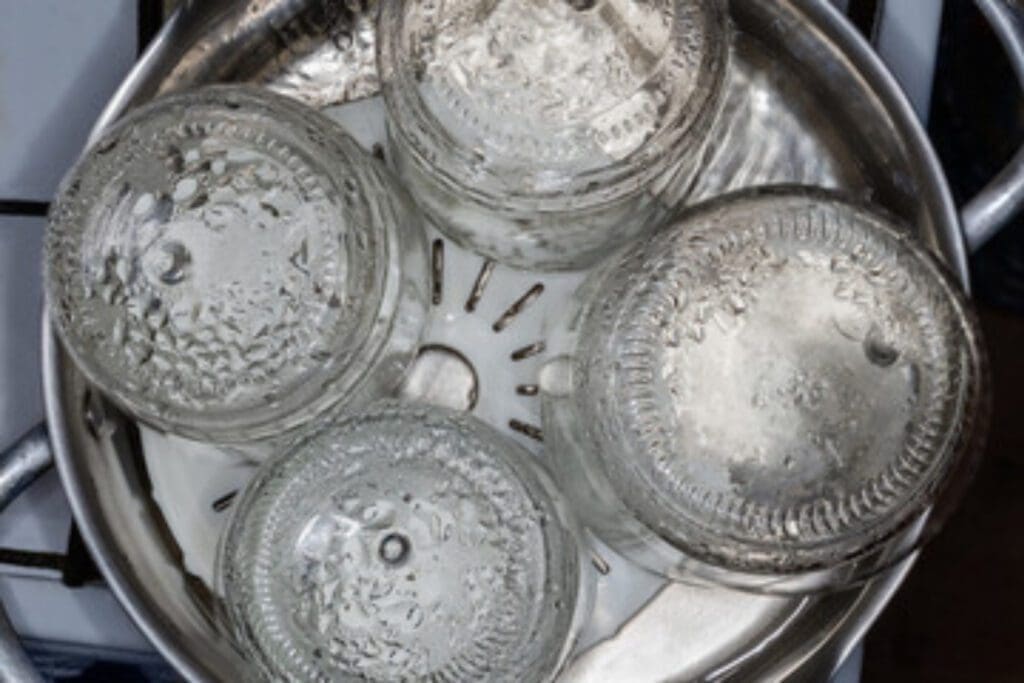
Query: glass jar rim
{"points": [[957, 442], [305, 131], [676, 138], [494, 467]]}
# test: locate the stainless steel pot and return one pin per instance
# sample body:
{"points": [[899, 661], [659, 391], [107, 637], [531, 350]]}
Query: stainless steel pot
{"points": [[100, 457]]}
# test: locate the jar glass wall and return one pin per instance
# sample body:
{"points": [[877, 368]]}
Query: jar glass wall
{"points": [[228, 264], [542, 134]]}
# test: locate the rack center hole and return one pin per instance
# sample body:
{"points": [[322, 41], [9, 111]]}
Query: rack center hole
{"points": [[442, 376]]}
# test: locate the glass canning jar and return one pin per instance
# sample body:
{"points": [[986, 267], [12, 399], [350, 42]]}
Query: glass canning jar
{"points": [[543, 133], [406, 543], [781, 391], [228, 264]]}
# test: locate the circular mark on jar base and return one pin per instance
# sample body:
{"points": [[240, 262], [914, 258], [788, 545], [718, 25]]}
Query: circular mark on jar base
{"points": [[394, 549], [879, 352], [169, 263], [442, 376]]}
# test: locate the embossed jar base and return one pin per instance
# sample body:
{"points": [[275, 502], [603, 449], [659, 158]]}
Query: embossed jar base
{"points": [[404, 543], [773, 393], [228, 265]]}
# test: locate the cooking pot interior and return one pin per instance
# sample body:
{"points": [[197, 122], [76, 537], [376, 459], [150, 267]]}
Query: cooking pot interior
{"points": [[873, 145]]}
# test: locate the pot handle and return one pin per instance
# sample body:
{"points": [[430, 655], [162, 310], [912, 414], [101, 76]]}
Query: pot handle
{"points": [[989, 211], [20, 465]]}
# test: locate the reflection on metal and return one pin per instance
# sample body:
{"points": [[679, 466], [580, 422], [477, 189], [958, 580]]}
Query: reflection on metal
{"points": [[907, 38], [20, 465], [23, 463], [1003, 198]]}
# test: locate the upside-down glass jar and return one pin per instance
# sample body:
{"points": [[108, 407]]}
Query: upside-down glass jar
{"points": [[403, 543], [782, 392], [228, 264], [545, 133]]}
